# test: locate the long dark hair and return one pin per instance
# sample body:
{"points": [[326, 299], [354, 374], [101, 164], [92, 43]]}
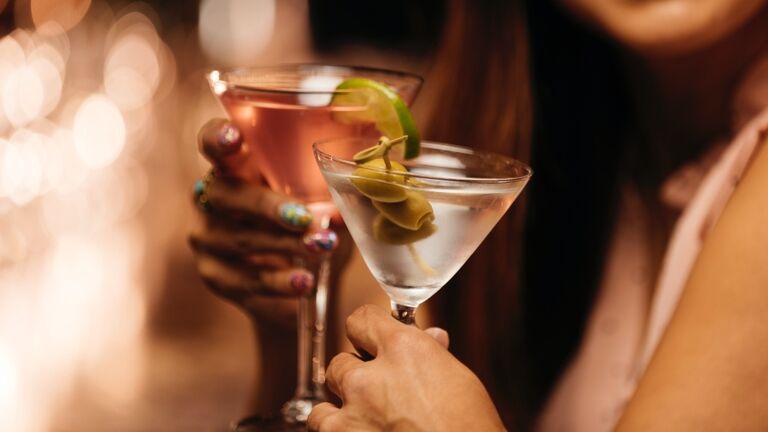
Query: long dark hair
{"points": [[517, 309]]}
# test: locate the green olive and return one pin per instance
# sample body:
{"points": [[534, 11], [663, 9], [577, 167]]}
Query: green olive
{"points": [[382, 186], [410, 214], [387, 232]]}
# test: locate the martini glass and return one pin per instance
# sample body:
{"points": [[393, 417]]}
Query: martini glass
{"points": [[413, 248], [281, 111]]}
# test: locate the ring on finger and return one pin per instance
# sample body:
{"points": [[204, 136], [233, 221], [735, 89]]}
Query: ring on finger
{"points": [[201, 192]]}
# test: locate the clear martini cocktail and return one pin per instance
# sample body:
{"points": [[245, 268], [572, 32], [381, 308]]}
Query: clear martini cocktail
{"points": [[417, 221], [281, 111]]}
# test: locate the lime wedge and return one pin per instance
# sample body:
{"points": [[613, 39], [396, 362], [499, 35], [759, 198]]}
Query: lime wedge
{"points": [[385, 109]]}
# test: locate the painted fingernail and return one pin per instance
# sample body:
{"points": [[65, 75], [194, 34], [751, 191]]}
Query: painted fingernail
{"points": [[302, 282], [295, 215], [321, 241], [228, 138]]}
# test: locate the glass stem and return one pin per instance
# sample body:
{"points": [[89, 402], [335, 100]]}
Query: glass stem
{"points": [[318, 339], [304, 327], [311, 336], [404, 314], [311, 326]]}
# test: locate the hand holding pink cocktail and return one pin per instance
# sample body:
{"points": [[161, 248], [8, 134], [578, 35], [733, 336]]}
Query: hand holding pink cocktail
{"points": [[280, 112]]}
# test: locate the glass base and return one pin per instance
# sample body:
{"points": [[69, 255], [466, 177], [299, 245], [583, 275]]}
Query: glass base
{"points": [[266, 424], [296, 411], [293, 417]]}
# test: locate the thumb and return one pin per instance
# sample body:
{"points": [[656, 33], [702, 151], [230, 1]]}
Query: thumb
{"points": [[222, 144], [440, 335]]}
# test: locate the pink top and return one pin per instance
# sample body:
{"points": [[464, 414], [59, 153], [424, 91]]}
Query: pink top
{"points": [[630, 314]]}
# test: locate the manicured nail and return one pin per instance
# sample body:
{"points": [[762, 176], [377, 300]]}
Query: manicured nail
{"points": [[295, 215], [229, 139], [302, 282], [321, 241]]}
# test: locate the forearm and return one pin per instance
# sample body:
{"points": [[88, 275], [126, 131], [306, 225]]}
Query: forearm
{"points": [[275, 378], [710, 371]]}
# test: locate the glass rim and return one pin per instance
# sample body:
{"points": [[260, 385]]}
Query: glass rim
{"points": [[214, 76], [528, 171]]}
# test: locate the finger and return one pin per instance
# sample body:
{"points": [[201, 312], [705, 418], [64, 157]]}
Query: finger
{"points": [[337, 370], [220, 142], [336, 219], [258, 202], [232, 282], [222, 239], [368, 326], [440, 335], [268, 260], [320, 414], [272, 313]]}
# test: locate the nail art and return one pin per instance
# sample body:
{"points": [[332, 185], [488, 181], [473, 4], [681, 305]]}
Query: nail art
{"points": [[321, 241], [302, 282], [228, 138], [295, 215]]}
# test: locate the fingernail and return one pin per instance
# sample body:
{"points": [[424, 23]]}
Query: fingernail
{"points": [[321, 241], [229, 139], [295, 215], [302, 282]]}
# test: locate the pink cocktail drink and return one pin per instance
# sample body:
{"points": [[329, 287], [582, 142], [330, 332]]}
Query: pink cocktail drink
{"points": [[279, 131], [281, 111]]}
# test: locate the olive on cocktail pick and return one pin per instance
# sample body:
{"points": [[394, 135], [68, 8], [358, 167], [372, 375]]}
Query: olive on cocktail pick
{"points": [[378, 151], [387, 232], [405, 216], [375, 180], [410, 214]]}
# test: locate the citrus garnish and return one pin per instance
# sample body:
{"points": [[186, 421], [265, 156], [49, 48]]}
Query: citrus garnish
{"points": [[385, 109]]}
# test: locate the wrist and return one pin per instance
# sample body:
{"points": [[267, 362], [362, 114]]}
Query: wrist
{"points": [[275, 367]]}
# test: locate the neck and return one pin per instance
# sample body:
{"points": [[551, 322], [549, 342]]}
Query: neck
{"points": [[685, 102]]}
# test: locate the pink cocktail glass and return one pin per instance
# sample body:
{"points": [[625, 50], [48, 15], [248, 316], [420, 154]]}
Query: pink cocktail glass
{"points": [[281, 111]]}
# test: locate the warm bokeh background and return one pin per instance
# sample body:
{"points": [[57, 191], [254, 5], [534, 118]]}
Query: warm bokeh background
{"points": [[103, 323]]}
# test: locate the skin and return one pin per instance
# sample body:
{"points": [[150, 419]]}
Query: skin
{"points": [[710, 370], [412, 384], [665, 28]]}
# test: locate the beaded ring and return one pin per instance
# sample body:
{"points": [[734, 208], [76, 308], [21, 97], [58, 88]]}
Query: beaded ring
{"points": [[201, 192]]}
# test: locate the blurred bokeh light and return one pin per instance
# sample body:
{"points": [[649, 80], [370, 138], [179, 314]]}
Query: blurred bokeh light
{"points": [[73, 296], [66, 13], [104, 324]]}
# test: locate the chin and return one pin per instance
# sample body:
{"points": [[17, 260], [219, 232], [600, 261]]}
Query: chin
{"points": [[664, 28]]}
